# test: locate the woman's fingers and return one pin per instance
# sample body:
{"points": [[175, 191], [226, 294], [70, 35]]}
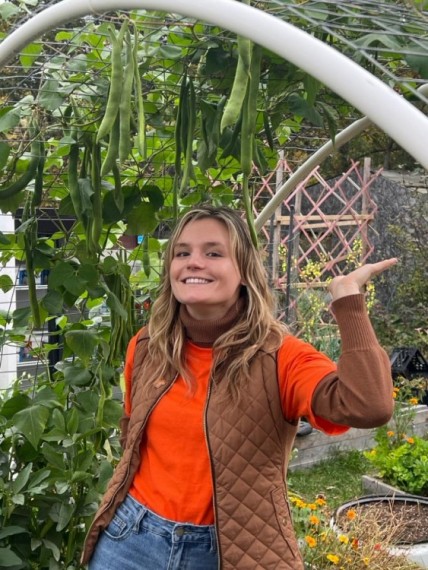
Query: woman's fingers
{"points": [[355, 282]]}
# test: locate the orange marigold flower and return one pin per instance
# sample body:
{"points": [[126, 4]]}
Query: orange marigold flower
{"points": [[313, 519], [312, 506], [413, 401], [354, 543], [333, 558], [310, 541], [390, 433], [410, 440], [320, 502], [343, 538], [351, 514]]}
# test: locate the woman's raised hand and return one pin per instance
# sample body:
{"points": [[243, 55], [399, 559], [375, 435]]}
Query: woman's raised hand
{"points": [[355, 282]]}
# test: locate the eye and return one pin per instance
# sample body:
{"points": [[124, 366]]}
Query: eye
{"points": [[214, 254], [181, 253]]}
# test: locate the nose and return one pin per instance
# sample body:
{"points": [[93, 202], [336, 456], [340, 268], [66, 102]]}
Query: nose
{"points": [[195, 261]]}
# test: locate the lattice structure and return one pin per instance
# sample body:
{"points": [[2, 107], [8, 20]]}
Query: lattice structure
{"points": [[321, 230]]}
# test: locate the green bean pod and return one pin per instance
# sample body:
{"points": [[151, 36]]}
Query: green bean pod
{"points": [[249, 119], [178, 145], [188, 149], [97, 221], [112, 154], [125, 143], [38, 181], [73, 183], [146, 256], [22, 182], [113, 100], [141, 118], [233, 106]]}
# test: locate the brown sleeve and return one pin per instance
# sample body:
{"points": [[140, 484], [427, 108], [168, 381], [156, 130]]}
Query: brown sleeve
{"points": [[360, 394]]}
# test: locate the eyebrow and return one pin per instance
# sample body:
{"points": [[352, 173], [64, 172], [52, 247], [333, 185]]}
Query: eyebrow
{"points": [[206, 244]]}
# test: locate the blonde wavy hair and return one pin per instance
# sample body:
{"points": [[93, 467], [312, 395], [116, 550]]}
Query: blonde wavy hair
{"points": [[234, 350]]}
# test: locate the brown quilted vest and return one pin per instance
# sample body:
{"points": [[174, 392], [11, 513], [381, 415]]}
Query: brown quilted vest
{"points": [[249, 446]]}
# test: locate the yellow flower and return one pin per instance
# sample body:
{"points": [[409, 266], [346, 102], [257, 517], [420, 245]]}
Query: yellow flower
{"points": [[310, 541], [366, 560], [312, 506], [413, 401], [343, 538], [333, 558], [320, 502], [313, 519], [390, 433], [410, 440], [351, 514]]}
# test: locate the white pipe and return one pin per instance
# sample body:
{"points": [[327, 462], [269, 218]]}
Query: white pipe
{"points": [[351, 131], [386, 108]]}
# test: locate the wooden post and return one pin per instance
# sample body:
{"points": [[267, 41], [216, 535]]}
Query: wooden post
{"points": [[276, 226], [364, 207]]}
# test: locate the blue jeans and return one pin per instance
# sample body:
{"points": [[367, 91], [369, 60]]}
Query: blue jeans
{"points": [[138, 539]]}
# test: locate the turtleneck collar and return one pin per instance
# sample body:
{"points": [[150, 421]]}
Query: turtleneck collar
{"points": [[205, 333]]}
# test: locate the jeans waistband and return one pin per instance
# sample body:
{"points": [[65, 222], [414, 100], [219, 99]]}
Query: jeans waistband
{"points": [[178, 531]]}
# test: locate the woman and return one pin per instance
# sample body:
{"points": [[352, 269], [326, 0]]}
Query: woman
{"points": [[215, 387]]}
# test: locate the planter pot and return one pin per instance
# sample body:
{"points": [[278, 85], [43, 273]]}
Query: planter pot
{"points": [[411, 536]]}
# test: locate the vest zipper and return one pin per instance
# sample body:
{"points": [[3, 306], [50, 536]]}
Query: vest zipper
{"points": [[138, 438], [212, 472]]}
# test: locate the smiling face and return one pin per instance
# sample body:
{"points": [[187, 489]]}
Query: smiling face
{"points": [[203, 272]]}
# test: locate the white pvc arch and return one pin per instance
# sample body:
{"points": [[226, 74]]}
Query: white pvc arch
{"points": [[383, 106]]}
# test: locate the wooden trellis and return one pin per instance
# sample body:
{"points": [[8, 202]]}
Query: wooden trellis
{"points": [[323, 225]]}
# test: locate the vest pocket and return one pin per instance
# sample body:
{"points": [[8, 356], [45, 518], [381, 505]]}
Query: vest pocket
{"points": [[283, 517]]}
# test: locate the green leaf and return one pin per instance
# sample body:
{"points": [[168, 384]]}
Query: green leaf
{"points": [[9, 558], [88, 274], [4, 154], [22, 478], [6, 283], [9, 119], [21, 317], [64, 516], [82, 343], [49, 95], [419, 63], [8, 10], [29, 54], [11, 531], [18, 499], [72, 421], [62, 273], [77, 376], [53, 548], [112, 412], [14, 405], [301, 107], [170, 52], [142, 220], [53, 302], [37, 478], [53, 457], [4, 240], [31, 422], [154, 194]]}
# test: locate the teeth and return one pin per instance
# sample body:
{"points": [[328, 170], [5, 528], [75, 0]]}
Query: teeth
{"points": [[196, 280]]}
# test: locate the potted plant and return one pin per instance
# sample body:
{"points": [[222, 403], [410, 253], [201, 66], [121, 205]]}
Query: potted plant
{"points": [[362, 544]]}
